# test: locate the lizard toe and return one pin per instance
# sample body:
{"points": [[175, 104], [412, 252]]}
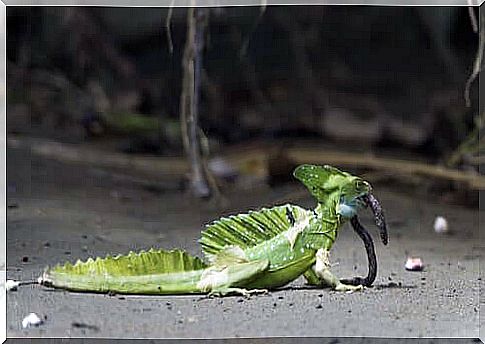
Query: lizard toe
{"points": [[349, 288]]}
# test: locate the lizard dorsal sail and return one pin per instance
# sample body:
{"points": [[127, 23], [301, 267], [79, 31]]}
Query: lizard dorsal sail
{"points": [[249, 229]]}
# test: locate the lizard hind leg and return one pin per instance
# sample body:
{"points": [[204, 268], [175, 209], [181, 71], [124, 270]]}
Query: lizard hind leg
{"points": [[232, 277], [322, 270], [313, 279]]}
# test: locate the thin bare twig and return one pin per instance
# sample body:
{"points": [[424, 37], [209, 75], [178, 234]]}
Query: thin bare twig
{"points": [[167, 26], [187, 80], [202, 180], [477, 65], [202, 183], [473, 19], [203, 142]]}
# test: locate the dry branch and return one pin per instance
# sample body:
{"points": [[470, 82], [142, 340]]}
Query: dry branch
{"points": [[201, 183], [396, 166], [178, 166]]}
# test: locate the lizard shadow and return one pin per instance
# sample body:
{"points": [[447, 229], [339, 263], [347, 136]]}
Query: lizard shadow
{"points": [[391, 285], [394, 285]]}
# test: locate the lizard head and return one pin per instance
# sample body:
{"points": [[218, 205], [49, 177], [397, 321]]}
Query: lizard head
{"points": [[324, 181], [352, 192]]}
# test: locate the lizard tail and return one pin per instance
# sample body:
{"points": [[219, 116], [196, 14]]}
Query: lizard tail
{"points": [[149, 272]]}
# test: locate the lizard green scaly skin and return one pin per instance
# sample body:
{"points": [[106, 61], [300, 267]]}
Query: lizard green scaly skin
{"points": [[245, 253]]}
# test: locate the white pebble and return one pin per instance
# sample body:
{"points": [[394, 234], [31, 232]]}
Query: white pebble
{"points": [[11, 285], [440, 225], [414, 264], [31, 320]]}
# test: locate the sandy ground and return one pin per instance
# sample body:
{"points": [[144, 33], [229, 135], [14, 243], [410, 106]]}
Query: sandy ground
{"points": [[63, 212]]}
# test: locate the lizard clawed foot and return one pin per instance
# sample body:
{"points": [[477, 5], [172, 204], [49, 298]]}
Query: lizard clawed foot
{"points": [[248, 293], [244, 292], [349, 288], [259, 291]]}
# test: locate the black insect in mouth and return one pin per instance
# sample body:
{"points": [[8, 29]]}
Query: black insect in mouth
{"points": [[368, 200], [379, 219]]}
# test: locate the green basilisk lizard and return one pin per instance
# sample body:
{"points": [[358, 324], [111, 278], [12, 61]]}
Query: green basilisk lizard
{"points": [[245, 253]]}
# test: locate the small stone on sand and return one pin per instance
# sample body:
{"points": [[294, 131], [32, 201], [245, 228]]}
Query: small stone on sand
{"points": [[440, 225], [414, 264], [31, 320]]}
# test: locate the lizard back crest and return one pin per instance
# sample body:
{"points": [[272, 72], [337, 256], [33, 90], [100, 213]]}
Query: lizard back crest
{"points": [[132, 264], [249, 229]]}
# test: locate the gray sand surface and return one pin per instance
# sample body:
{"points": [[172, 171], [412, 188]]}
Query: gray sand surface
{"points": [[63, 212]]}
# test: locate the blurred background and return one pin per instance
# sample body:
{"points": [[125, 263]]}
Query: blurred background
{"points": [[384, 81]]}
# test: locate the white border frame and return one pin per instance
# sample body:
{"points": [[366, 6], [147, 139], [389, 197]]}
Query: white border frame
{"points": [[3, 171]]}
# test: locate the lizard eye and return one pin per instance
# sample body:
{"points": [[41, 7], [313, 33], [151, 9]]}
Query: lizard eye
{"points": [[360, 185]]}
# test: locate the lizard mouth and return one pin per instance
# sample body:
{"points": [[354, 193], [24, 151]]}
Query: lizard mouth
{"points": [[379, 219]]}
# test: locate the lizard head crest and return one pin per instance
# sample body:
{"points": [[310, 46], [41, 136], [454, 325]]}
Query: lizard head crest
{"points": [[352, 192], [323, 181]]}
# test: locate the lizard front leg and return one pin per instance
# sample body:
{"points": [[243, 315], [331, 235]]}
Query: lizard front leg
{"points": [[322, 271], [313, 279]]}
